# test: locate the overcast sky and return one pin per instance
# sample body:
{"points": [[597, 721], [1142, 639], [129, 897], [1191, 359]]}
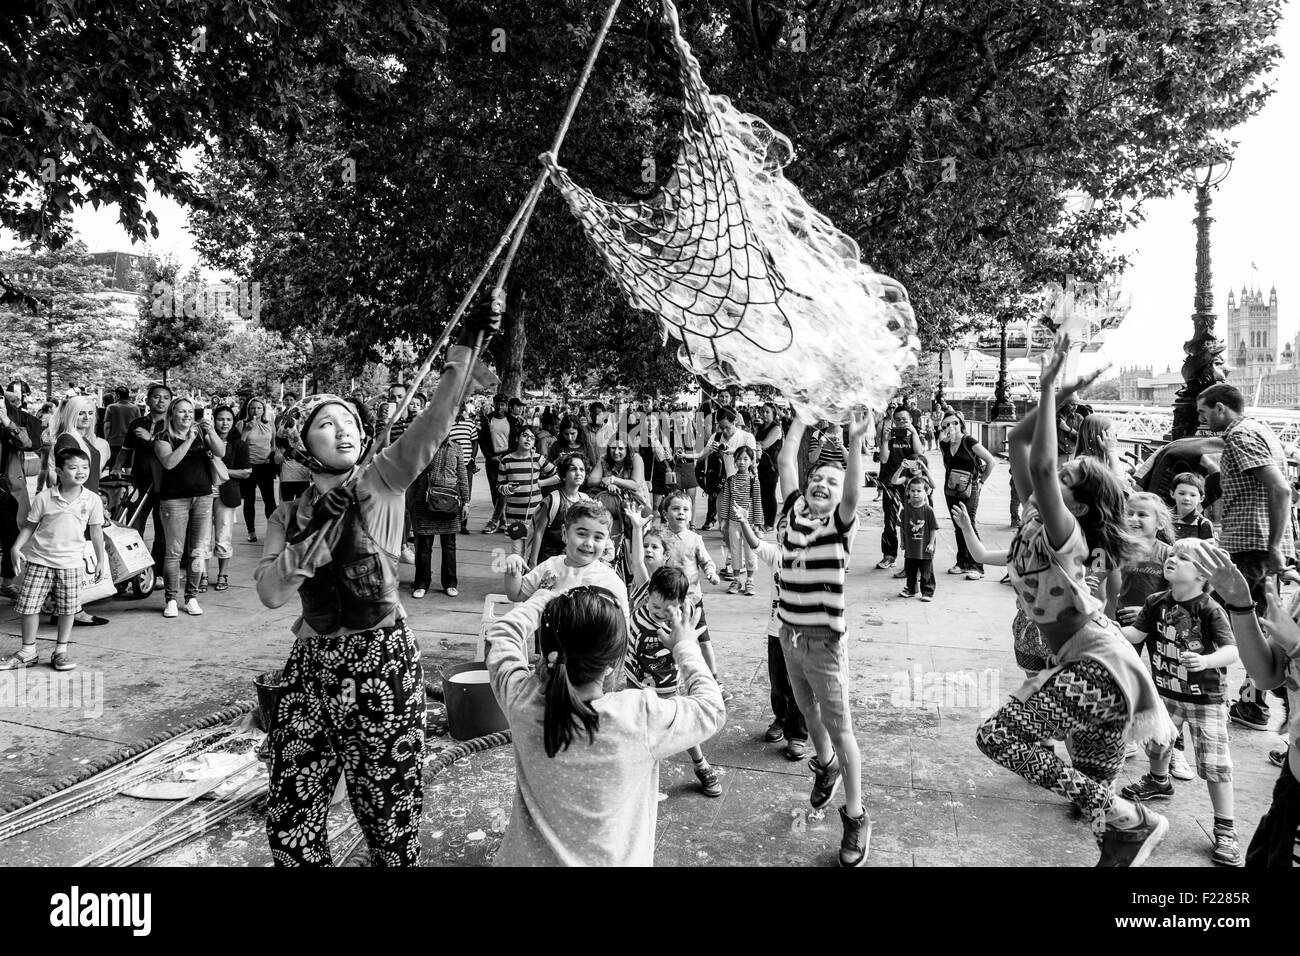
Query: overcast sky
{"points": [[1256, 212]]}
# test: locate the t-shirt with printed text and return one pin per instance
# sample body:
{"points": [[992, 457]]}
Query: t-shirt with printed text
{"points": [[1174, 627]]}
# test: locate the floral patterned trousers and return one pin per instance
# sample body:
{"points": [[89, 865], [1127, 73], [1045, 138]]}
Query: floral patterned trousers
{"points": [[355, 704]]}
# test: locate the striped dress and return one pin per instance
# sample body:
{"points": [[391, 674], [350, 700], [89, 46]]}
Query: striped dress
{"points": [[524, 471], [740, 490], [814, 559]]}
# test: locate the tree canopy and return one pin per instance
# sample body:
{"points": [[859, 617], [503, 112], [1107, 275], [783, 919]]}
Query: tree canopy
{"points": [[362, 175]]}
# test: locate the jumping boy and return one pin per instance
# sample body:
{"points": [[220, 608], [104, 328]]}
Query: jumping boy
{"points": [[56, 528], [815, 534]]}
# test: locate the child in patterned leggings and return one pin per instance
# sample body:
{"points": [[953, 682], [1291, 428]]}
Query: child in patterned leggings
{"points": [[1099, 693]]}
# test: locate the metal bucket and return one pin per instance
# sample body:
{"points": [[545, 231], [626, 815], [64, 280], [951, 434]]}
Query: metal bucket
{"points": [[472, 710], [270, 688]]}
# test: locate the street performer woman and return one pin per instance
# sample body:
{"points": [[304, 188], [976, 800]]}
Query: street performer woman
{"points": [[353, 695]]}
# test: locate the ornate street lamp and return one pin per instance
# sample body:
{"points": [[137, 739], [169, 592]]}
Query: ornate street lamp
{"points": [[1003, 410], [1203, 365], [937, 401]]}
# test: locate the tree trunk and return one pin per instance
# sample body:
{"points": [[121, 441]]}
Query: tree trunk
{"points": [[516, 343]]}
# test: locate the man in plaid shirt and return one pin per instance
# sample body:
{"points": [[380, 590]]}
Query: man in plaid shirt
{"points": [[1256, 527]]}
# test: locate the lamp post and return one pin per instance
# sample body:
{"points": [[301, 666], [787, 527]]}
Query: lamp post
{"points": [[937, 401], [1203, 365], [1003, 410]]}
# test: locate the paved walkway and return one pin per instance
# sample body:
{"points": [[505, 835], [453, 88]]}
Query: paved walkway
{"points": [[923, 676]]}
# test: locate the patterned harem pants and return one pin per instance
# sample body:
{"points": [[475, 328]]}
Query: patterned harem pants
{"points": [[1081, 702], [355, 704]]}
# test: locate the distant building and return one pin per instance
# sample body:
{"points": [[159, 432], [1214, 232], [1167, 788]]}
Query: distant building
{"points": [[1139, 386], [1265, 376], [125, 270]]}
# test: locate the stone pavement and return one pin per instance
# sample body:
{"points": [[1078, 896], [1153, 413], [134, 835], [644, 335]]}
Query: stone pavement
{"points": [[923, 677]]}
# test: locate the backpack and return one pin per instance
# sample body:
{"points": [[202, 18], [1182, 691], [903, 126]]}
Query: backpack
{"points": [[711, 473]]}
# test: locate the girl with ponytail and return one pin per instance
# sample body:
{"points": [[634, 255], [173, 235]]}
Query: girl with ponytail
{"points": [[586, 761]]}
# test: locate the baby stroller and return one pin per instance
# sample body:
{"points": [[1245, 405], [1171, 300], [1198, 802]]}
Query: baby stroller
{"points": [[126, 508]]}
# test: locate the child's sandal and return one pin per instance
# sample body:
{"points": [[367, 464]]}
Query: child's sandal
{"points": [[61, 661], [16, 662], [203, 584], [222, 584]]}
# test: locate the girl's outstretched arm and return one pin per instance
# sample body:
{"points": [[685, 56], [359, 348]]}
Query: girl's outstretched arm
{"points": [[1044, 475], [961, 518], [1020, 437]]}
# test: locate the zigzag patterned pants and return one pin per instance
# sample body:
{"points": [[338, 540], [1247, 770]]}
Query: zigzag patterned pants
{"points": [[1081, 702]]}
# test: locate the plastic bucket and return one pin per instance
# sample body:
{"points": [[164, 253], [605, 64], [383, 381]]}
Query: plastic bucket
{"points": [[270, 688], [472, 710]]}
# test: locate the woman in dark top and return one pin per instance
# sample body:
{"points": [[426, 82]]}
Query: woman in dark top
{"points": [[966, 464], [769, 436], [185, 448], [225, 506]]}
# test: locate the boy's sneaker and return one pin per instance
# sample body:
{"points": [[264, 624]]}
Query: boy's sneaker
{"points": [[884, 563], [733, 587], [926, 598], [1132, 847], [974, 575], [170, 610], [1248, 715], [710, 784], [774, 733], [857, 839], [192, 607], [1148, 788], [900, 573], [906, 593], [489, 528], [748, 589], [795, 749], [1179, 768], [1227, 850], [956, 569], [727, 573], [826, 781], [1277, 757]]}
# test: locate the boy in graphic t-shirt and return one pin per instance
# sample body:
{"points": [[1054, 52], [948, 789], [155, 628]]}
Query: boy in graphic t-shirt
{"points": [[1191, 646]]}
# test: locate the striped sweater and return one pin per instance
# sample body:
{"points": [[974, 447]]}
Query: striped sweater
{"points": [[465, 433], [814, 559]]}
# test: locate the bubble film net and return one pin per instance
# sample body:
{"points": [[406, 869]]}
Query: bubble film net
{"points": [[756, 284]]}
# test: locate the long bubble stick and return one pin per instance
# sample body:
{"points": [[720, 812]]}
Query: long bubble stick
{"points": [[514, 231]]}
